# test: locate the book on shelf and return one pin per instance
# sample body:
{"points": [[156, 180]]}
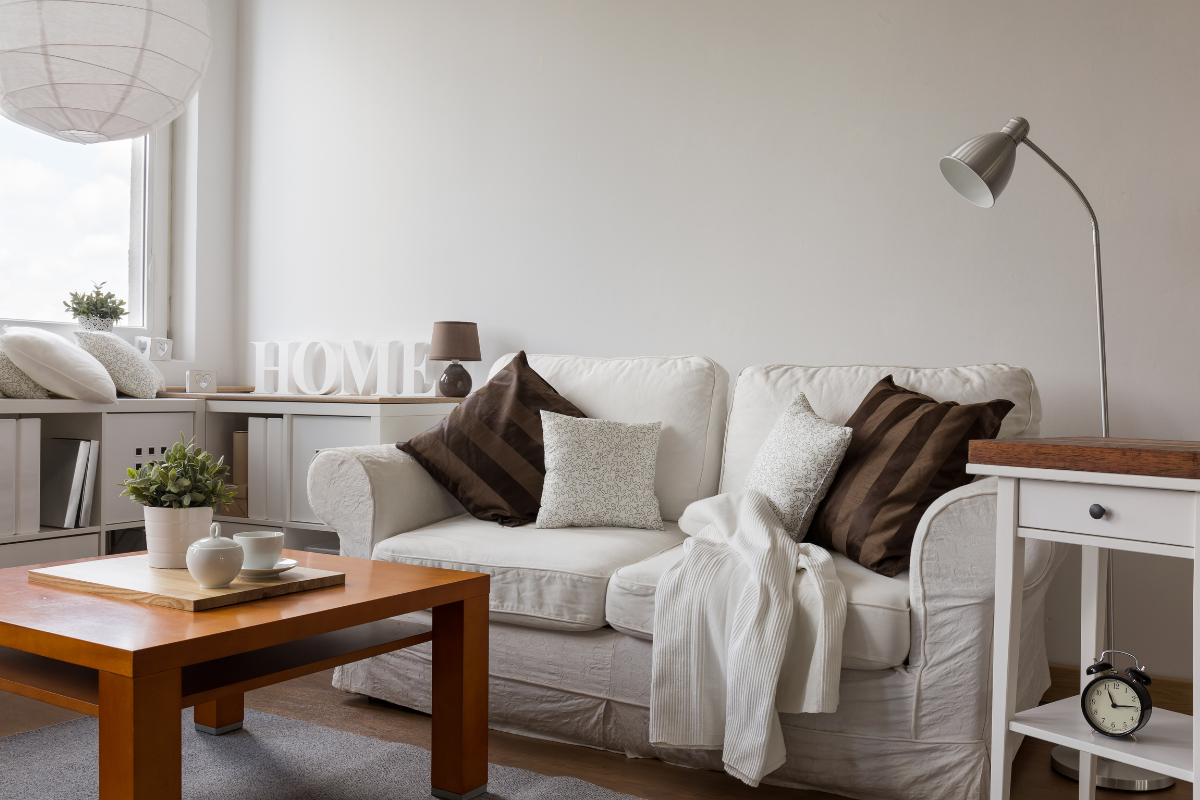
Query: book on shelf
{"points": [[275, 464], [89, 485], [64, 471], [29, 475], [256, 468], [8, 477]]}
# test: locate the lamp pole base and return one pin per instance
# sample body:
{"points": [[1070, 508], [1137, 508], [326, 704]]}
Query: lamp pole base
{"points": [[1109, 774]]}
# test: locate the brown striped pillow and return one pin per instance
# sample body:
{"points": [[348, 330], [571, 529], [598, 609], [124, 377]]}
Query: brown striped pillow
{"points": [[906, 451], [488, 453]]}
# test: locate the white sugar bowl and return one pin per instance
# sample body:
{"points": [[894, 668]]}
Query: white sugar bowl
{"points": [[214, 561]]}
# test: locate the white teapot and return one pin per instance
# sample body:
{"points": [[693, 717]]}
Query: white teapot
{"points": [[214, 561]]}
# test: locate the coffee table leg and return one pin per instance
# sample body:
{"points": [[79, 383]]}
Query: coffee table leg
{"points": [[140, 737], [222, 715], [460, 699]]}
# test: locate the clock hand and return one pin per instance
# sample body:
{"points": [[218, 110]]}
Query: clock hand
{"points": [[1111, 700], [1117, 706]]}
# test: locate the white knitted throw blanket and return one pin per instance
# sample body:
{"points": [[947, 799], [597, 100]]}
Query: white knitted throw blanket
{"points": [[747, 625]]}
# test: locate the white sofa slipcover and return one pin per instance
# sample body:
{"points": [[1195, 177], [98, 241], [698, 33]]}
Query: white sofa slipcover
{"points": [[876, 635], [913, 730], [541, 578]]}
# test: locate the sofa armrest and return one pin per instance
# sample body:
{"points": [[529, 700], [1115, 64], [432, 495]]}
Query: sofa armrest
{"points": [[368, 494], [952, 589]]}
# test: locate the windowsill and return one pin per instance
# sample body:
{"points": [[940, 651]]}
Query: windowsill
{"points": [[65, 329]]}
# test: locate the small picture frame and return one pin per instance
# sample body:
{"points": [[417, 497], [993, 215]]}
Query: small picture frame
{"points": [[154, 348], [200, 381]]}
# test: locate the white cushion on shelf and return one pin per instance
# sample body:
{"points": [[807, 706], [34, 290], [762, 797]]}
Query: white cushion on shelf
{"points": [[877, 609], [14, 383], [541, 578], [687, 394], [60, 366], [133, 373]]}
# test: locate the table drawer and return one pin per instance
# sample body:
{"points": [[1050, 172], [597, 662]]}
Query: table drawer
{"points": [[1150, 515]]}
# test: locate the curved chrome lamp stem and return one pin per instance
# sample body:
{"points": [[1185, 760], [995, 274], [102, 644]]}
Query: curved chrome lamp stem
{"points": [[1099, 283]]}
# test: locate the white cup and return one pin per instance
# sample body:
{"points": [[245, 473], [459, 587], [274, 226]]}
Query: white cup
{"points": [[262, 548]]}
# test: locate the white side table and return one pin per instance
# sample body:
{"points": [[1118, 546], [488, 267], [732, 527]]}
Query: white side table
{"points": [[1149, 492]]}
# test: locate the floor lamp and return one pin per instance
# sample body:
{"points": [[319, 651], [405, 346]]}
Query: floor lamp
{"points": [[979, 170]]}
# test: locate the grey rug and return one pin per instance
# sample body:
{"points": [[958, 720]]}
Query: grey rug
{"points": [[272, 758]]}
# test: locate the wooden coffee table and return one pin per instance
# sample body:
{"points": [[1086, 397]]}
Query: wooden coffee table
{"points": [[136, 666]]}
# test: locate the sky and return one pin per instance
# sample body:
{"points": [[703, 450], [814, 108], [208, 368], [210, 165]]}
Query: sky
{"points": [[64, 221]]}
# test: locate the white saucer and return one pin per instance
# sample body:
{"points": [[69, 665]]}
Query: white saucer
{"points": [[282, 566]]}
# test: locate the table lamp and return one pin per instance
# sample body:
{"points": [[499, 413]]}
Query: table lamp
{"points": [[455, 342], [979, 170]]}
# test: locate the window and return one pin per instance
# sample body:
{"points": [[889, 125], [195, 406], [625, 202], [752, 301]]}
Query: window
{"points": [[70, 216]]}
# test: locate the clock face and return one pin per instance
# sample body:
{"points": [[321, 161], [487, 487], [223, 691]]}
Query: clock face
{"points": [[1112, 706]]}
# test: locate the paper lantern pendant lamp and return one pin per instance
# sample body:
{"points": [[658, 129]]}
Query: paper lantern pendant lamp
{"points": [[99, 70]]}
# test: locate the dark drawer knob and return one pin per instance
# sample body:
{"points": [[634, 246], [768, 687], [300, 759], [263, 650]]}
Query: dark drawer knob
{"points": [[1097, 511]]}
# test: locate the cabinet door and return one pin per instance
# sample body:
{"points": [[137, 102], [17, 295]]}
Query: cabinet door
{"points": [[128, 441], [313, 433]]}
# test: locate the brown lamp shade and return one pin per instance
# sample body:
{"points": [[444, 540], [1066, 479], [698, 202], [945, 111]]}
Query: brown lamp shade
{"points": [[454, 341]]}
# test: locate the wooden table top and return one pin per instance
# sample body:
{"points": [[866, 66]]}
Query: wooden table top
{"points": [[1154, 457], [135, 639]]}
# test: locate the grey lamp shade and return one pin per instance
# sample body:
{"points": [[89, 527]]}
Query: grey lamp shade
{"points": [[979, 169], [454, 341]]}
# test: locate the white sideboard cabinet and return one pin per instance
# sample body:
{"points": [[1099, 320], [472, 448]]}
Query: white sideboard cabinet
{"points": [[132, 432]]}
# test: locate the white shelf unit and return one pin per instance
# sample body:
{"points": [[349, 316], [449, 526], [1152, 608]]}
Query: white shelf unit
{"points": [[1143, 514], [309, 426], [109, 424], [212, 422], [1163, 746]]}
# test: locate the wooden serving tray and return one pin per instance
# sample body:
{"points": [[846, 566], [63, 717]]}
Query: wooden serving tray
{"points": [[131, 578], [1163, 459]]}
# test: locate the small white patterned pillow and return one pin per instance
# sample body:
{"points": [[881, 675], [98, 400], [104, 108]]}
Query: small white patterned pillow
{"points": [[796, 465], [14, 383], [131, 371], [599, 474]]}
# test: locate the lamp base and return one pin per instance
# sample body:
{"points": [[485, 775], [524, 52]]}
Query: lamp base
{"points": [[1109, 774], [455, 381]]}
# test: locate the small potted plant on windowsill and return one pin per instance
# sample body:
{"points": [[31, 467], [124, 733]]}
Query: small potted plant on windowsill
{"points": [[179, 494], [96, 311]]}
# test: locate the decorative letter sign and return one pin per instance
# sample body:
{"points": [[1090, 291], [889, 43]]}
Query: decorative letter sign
{"points": [[393, 368]]}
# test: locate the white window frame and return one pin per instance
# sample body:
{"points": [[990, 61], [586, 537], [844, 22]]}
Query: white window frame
{"points": [[157, 243]]}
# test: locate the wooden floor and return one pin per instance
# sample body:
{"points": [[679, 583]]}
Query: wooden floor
{"points": [[313, 699]]}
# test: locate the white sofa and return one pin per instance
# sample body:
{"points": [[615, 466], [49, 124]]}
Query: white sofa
{"points": [[573, 609]]}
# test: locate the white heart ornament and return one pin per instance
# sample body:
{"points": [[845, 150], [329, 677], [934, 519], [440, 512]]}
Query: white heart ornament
{"points": [[203, 380], [162, 348]]}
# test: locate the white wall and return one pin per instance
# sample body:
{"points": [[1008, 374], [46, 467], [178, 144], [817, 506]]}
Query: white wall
{"points": [[755, 181]]}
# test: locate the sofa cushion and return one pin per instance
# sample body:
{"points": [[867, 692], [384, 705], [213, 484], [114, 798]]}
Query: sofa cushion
{"points": [[488, 453], [763, 392], [907, 451], [687, 394], [877, 620], [541, 578]]}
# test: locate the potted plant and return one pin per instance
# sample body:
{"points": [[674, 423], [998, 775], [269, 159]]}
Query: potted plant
{"points": [[179, 493], [96, 311]]}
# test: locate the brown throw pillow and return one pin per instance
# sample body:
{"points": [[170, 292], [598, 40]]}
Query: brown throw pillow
{"points": [[906, 451], [488, 453]]}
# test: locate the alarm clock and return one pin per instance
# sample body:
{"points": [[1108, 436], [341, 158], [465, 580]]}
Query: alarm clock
{"points": [[1116, 705]]}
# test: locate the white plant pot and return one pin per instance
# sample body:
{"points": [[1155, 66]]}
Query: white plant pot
{"points": [[96, 324], [169, 531]]}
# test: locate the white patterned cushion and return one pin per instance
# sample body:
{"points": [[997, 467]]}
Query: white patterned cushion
{"points": [[14, 383], [599, 473], [58, 365], [797, 463], [133, 373]]}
